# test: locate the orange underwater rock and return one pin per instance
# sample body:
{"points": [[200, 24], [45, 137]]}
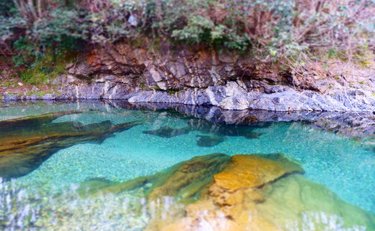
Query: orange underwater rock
{"points": [[250, 171], [241, 193]]}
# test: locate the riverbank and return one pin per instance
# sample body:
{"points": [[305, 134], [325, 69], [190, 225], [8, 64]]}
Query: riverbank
{"points": [[194, 76]]}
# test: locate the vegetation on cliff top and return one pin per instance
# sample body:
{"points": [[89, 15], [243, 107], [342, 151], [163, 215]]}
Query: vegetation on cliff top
{"points": [[268, 29]]}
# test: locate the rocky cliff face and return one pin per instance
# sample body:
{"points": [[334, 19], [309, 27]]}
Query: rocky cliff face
{"points": [[193, 76]]}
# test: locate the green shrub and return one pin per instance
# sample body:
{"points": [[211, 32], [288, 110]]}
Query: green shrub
{"points": [[271, 30], [45, 69], [7, 8]]}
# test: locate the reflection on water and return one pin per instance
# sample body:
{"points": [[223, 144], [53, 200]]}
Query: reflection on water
{"points": [[47, 192]]}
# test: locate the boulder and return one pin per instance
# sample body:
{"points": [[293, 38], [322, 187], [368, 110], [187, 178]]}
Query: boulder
{"points": [[251, 171], [242, 192]]}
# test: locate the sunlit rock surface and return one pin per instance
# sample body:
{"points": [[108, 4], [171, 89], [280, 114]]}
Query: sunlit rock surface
{"points": [[250, 171]]}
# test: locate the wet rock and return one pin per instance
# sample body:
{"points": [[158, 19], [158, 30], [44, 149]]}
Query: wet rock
{"points": [[284, 99], [10, 97], [48, 97], [231, 96]]}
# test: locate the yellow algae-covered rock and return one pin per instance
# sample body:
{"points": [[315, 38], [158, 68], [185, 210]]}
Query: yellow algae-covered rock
{"points": [[241, 193], [184, 181], [187, 180], [292, 203], [210, 173], [236, 188], [231, 195], [249, 171]]}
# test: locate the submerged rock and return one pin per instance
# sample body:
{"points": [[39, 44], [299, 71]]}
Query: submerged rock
{"points": [[242, 192], [190, 178], [291, 203], [249, 131], [222, 130], [26, 142], [184, 181], [251, 171], [209, 140], [168, 132], [296, 202]]}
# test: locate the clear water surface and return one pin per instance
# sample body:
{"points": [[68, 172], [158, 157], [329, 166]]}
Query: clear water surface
{"points": [[346, 166]]}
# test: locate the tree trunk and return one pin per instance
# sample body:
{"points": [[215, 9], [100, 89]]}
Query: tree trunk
{"points": [[39, 8], [31, 8]]}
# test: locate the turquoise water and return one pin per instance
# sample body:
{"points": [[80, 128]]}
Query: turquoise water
{"points": [[346, 166]]}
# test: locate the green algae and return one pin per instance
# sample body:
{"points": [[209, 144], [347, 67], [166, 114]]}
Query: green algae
{"points": [[298, 203]]}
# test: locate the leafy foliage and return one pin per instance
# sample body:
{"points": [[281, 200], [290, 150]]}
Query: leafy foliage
{"points": [[45, 68], [7, 8], [8, 25], [270, 29]]}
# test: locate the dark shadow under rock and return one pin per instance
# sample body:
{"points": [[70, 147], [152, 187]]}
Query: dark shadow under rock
{"points": [[252, 135], [168, 132], [209, 140], [244, 131], [219, 129], [35, 139], [372, 149]]}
